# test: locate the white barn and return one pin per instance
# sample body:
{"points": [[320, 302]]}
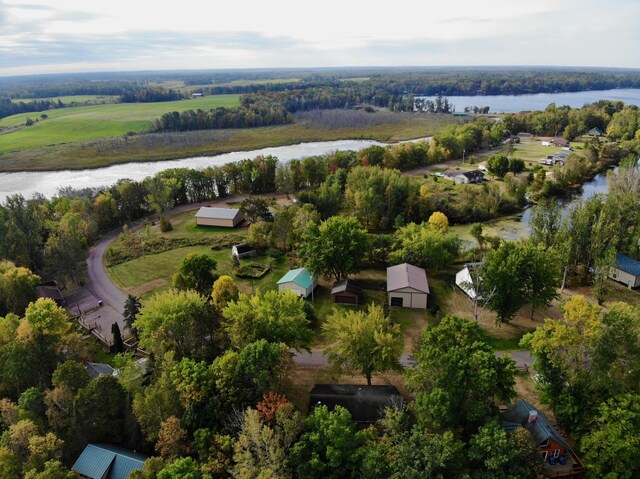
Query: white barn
{"points": [[226, 217], [407, 286]]}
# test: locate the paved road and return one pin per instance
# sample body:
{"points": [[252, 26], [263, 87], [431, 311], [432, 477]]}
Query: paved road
{"points": [[317, 359]]}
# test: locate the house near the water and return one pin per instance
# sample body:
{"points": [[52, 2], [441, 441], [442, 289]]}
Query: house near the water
{"points": [[225, 217], [299, 281], [626, 271], [407, 286], [464, 177]]}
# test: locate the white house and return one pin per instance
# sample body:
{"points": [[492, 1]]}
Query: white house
{"points": [[299, 281], [407, 286], [627, 271]]}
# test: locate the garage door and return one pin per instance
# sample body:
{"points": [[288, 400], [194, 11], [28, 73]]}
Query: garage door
{"points": [[397, 302], [346, 299]]}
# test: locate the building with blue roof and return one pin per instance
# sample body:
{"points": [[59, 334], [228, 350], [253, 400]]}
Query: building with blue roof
{"points": [[299, 281], [627, 271], [105, 461]]}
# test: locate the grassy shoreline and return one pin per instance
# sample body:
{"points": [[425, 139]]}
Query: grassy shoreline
{"points": [[170, 146]]}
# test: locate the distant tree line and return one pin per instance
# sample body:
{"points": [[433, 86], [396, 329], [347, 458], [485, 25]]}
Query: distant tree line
{"points": [[149, 95], [8, 107], [255, 111]]}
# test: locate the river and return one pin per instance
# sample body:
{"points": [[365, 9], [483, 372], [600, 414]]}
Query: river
{"points": [[539, 101], [516, 226], [47, 182]]}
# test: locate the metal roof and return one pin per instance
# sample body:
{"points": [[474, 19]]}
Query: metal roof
{"points": [[345, 285], [218, 213], [365, 403], [406, 275], [300, 276], [541, 428], [104, 461], [96, 369], [628, 265]]}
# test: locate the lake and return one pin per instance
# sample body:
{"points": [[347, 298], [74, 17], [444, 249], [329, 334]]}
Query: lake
{"points": [[539, 101]]}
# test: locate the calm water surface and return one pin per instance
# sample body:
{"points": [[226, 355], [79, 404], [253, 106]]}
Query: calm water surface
{"points": [[539, 101]]}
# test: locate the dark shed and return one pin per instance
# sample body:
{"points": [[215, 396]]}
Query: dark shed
{"points": [[365, 403], [345, 292]]}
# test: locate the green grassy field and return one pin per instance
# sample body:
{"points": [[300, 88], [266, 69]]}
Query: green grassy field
{"points": [[93, 153], [78, 124]]}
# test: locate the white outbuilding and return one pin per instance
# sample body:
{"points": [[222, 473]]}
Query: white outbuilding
{"points": [[407, 286], [225, 217]]}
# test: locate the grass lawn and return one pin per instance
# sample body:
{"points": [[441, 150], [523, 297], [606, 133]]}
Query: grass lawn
{"points": [[83, 123]]}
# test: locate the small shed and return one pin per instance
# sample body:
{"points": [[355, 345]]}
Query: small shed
{"points": [[105, 461], [299, 281], [50, 291], [407, 286], [243, 250], [595, 132], [225, 217], [346, 292], [627, 271], [365, 403]]}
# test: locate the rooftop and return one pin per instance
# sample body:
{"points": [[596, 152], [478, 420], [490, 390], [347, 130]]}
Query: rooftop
{"points": [[365, 403], [346, 285], [217, 213], [628, 265], [541, 428], [105, 461], [300, 276], [406, 275]]}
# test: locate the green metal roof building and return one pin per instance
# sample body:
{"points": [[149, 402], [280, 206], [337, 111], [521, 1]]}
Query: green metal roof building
{"points": [[299, 281], [104, 461]]}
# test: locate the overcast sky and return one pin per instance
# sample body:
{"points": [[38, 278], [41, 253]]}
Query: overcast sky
{"points": [[96, 35]]}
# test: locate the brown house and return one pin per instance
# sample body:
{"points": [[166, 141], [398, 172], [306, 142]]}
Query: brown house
{"points": [[560, 460], [345, 292]]}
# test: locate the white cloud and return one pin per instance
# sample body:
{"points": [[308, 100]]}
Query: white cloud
{"points": [[62, 35]]}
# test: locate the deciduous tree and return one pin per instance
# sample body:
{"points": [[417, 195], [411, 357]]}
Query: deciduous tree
{"points": [[362, 341]]}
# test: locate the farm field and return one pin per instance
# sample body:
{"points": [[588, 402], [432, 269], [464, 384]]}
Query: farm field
{"points": [[78, 124], [94, 151]]}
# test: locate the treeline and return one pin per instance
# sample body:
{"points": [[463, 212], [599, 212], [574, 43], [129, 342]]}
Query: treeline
{"points": [[149, 95], [255, 111], [8, 107]]}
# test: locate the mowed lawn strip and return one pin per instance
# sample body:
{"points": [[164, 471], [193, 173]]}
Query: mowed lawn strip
{"points": [[83, 123]]}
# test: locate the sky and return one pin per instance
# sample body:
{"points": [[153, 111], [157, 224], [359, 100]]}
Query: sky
{"points": [[58, 36]]}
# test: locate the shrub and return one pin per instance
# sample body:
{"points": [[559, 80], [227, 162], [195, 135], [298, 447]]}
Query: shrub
{"points": [[165, 225]]}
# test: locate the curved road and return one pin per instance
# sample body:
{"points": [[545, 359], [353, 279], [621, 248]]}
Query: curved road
{"points": [[100, 287]]}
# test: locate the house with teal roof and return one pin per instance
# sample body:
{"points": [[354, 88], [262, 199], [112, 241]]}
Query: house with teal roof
{"points": [[105, 461], [299, 281]]}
